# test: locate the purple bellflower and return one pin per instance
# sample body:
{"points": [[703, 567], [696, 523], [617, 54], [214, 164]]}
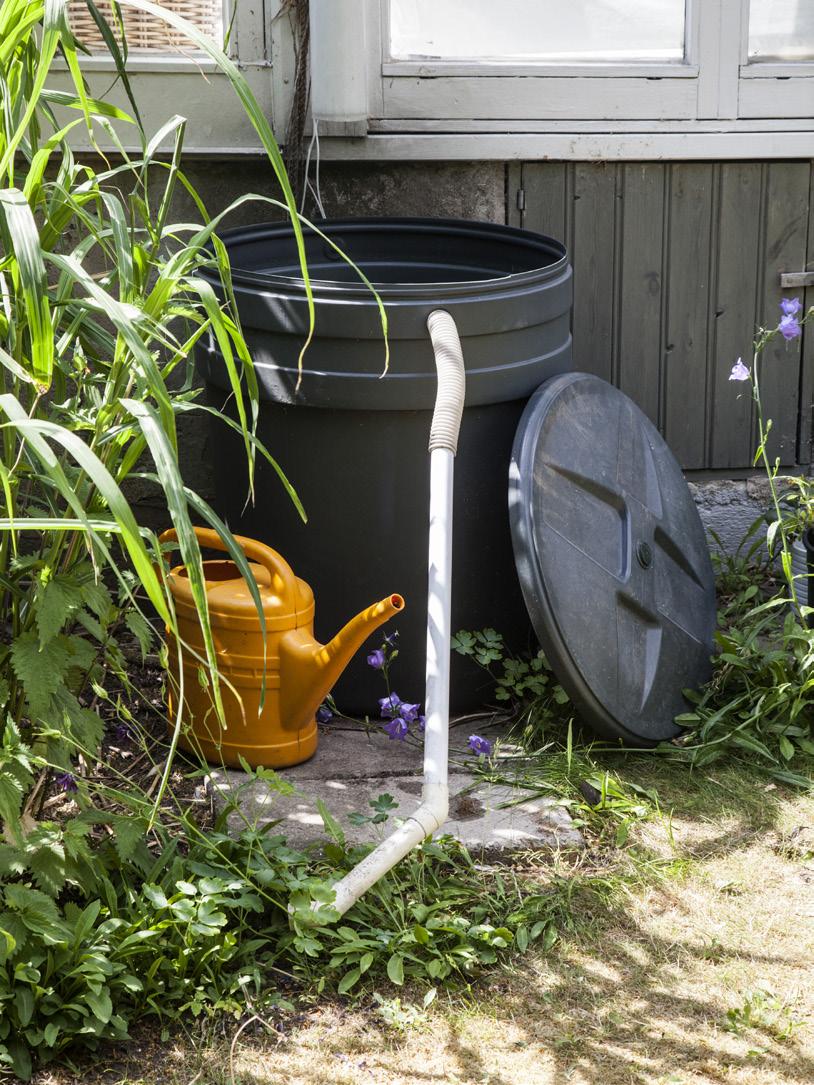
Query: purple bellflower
{"points": [[739, 371], [376, 659], [397, 728], [390, 706], [790, 306], [480, 745], [324, 714], [789, 327]]}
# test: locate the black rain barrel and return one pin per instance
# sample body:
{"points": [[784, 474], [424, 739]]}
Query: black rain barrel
{"points": [[354, 443]]}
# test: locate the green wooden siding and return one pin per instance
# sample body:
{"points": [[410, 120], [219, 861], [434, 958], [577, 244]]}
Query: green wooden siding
{"points": [[675, 265]]}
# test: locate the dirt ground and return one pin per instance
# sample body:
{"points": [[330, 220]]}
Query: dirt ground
{"points": [[705, 977]]}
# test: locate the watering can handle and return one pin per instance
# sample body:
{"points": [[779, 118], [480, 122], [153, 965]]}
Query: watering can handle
{"points": [[274, 563]]}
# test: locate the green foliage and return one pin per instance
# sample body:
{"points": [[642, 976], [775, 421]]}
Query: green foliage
{"points": [[525, 684], [761, 1010], [759, 705], [102, 303], [435, 917], [796, 499], [382, 806]]}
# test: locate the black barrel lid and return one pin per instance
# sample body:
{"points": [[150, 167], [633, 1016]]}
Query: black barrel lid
{"points": [[612, 558]]}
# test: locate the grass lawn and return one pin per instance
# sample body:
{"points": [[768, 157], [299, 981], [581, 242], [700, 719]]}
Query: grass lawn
{"points": [[689, 962]]}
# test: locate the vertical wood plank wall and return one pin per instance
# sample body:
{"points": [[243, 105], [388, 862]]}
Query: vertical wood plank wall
{"points": [[675, 266]]}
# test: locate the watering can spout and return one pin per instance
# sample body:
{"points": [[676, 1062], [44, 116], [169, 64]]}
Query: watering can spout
{"points": [[309, 670]]}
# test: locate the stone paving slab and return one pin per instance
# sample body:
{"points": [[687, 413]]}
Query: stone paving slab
{"points": [[354, 765]]}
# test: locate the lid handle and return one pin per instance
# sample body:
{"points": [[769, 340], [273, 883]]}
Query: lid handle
{"points": [[274, 563]]}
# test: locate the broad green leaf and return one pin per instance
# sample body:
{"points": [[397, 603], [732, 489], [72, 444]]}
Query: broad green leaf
{"points": [[786, 748], [41, 669], [100, 1004], [395, 969], [55, 604], [348, 980], [94, 105], [128, 833], [11, 798], [141, 630]]}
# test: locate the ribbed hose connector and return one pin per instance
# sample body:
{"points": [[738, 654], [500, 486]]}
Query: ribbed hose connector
{"points": [[449, 399]]}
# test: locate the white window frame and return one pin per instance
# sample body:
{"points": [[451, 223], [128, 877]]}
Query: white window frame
{"points": [[191, 86], [714, 104]]}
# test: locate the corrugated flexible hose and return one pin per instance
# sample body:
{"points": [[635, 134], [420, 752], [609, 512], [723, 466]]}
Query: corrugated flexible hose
{"points": [[449, 400]]}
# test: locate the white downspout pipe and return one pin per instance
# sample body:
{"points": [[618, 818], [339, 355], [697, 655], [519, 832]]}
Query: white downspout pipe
{"points": [[432, 813], [339, 96]]}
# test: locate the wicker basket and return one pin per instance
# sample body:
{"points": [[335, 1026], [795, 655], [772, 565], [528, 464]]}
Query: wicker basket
{"points": [[147, 32]]}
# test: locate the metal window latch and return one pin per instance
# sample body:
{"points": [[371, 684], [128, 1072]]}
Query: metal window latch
{"points": [[791, 279]]}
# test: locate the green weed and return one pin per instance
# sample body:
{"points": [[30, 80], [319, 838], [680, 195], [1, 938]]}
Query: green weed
{"points": [[761, 1010]]}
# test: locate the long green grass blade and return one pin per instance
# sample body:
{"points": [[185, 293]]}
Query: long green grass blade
{"points": [[53, 14], [166, 465], [260, 125], [35, 431], [23, 239]]}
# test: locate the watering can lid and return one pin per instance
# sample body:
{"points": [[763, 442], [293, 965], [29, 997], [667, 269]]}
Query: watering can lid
{"points": [[612, 557]]}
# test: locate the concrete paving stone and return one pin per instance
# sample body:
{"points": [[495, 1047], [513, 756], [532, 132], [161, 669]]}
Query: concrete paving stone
{"points": [[353, 766], [348, 748]]}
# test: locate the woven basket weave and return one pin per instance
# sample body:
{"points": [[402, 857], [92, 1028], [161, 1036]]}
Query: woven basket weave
{"points": [[147, 32]]}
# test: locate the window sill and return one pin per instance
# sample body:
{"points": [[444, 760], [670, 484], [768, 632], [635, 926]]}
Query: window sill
{"points": [[431, 69], [763, 142], [160, 63]]}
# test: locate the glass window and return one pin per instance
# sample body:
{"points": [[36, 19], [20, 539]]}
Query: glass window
{"points": [[535, 30], [148, 33], [781, 30]]}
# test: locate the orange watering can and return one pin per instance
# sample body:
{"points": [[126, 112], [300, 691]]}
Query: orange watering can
{"points": [[299, 671]]}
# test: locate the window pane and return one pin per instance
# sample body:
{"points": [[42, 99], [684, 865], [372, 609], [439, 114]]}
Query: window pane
{"points": [[148, 33], [549, 30], [781, 30]]}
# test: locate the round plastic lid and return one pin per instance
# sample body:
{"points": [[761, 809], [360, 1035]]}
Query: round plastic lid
{"points": [[612, 558]]}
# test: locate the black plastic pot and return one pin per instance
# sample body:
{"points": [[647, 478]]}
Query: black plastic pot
{"points": [[354, 442]]}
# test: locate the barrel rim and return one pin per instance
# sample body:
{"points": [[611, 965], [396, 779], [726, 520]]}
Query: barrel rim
{"points": [[336, 290]]}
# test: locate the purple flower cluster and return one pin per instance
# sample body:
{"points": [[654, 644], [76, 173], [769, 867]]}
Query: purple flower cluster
{"points": [[398, 715], [789, 326], [480, 745]]}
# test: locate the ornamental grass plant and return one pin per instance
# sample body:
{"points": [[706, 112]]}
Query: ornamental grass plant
{"points": [[101, 304]]}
